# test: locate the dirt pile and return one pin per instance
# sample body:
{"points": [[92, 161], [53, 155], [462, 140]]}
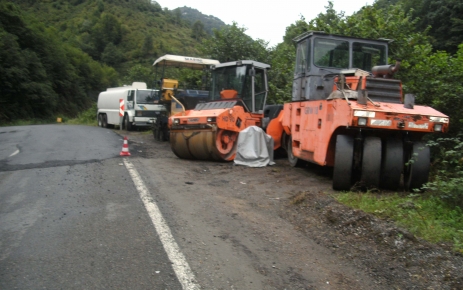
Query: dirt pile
{"points": [[388, 252]]}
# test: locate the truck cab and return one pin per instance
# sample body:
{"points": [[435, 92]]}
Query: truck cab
{"points": [[128, 106]]}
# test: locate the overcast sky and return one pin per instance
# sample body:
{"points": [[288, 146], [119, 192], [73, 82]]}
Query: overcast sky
{"points": [[267, 19]]}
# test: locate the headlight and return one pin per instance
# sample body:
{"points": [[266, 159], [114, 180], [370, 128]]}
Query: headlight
{"points": [[439, 119], [437, 127], [368, 114], [211, 119], [362, 121], [176, 121]]}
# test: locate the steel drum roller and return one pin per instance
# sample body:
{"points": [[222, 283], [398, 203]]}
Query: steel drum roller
{"points": [[217, 145]]}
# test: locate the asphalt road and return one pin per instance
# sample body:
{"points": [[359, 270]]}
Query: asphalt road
{"points": [[76, 215], [71, 216]]}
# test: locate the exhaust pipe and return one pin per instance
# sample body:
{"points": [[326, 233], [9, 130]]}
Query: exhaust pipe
{"points": [[386, 71]]}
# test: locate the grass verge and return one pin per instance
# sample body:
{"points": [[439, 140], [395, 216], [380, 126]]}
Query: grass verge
{"points": [[424, 215], [87, 117], [29, 122]]}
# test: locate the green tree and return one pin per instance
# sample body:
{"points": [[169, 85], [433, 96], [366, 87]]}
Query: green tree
{"points": [[25, 86], [384, 4], [445, 19], [139, 73], [177, 16], [112, 55], [330, 21], [281, 75], [394, 24], [231, 43], [100, 6], [294, 30], [198, 30], [107, 30], [40, 75], [147, 46], [437, 83]]}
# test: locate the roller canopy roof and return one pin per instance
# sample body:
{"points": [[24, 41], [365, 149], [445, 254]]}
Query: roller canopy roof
{"points": [[244, 62], [184, 61]]}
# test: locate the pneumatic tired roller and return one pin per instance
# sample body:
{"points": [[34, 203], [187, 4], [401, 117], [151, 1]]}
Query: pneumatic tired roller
{"points": [[349, 113], [236, 101]]}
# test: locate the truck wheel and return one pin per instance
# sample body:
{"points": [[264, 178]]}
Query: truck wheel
{"points": [[128, 125], [105, 121], [293, 160], [100, 120], [158, 134], [343, 162], [164, 134], [155, 133]]}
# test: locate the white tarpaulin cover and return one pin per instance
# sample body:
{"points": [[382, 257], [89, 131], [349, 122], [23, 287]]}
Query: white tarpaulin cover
{"points": [[255, 148]]}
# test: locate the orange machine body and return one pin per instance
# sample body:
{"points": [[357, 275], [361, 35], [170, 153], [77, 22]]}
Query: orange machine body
{"points": [[314, 124]]}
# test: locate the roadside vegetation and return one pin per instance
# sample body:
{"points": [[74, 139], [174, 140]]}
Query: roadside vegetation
{"points": [[87, 117], [32, 121], [424, 215]]}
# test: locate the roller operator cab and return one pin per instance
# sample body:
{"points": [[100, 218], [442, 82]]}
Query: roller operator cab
{"points": [[177, 96], [236, 101], [349, 113]]}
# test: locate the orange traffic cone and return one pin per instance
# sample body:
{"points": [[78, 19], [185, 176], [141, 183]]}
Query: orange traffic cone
{"points": [[125, 148]]}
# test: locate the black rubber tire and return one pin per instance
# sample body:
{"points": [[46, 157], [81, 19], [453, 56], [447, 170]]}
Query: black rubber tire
{"points": [[128, 125], [371, 162], [155, 133], [165, 134], [343, 162], [392, 163], [100, 120], [105, 121], [416, 174], [293, 160]]}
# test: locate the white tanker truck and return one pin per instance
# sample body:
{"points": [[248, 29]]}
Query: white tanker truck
{"points": [[128, 106]]}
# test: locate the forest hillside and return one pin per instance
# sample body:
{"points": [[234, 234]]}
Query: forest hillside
{"points": [[58, 55]]}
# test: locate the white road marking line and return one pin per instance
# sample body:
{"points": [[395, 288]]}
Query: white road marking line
{"points": [[179, 263], [14, 153]]}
